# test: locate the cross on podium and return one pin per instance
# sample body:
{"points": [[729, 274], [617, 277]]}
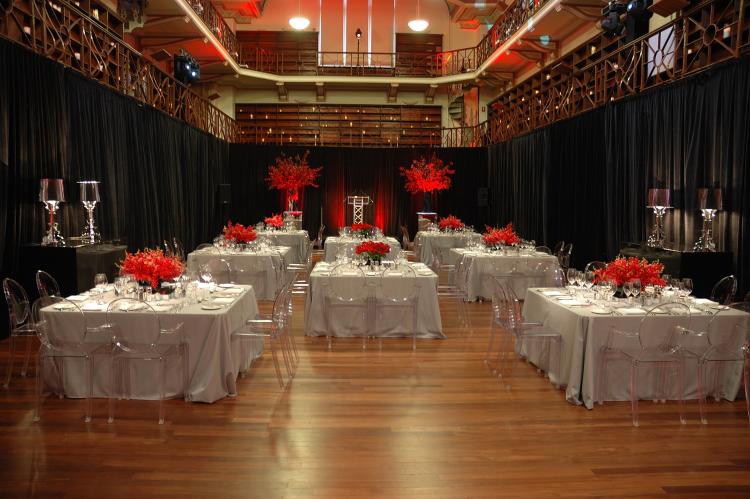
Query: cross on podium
{"points": [[358, 204]]}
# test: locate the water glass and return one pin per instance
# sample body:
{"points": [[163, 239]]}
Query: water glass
{"points": [[636, 287]]}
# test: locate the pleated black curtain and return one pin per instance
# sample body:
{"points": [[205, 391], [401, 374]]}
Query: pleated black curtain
{"points": [[585, 180]]}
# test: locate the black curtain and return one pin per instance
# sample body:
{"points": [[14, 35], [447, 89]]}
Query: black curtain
{"points": [[585, 180]]}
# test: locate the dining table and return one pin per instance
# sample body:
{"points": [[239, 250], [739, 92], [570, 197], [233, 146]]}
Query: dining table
{"points": [[262, 268], [205, 324], [585, 324], [428, 240], [297, 240], [338, 246], [394, 323]]}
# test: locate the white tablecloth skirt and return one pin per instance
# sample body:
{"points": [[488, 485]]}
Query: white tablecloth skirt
{"points": [[387, 322], [297, 240], [215, 359], [333, 245], [584, 333], [262, 270]]}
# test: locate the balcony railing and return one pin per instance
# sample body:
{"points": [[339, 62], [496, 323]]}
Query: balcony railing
{"points": [[63, 32], [213, 19]]}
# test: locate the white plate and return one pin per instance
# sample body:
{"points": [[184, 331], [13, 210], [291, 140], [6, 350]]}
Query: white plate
{"points": [[226, 285], [211, 307], [424, 272], [600, 311], [64, 306], [718, 307]]}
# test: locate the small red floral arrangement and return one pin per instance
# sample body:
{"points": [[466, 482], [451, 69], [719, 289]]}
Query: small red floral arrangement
{"points": [[362, 230], [152, 266], [450, 223], [239, 233], [494, 236], [373, 250], [274, 221], [623, 270], [427, 175]]}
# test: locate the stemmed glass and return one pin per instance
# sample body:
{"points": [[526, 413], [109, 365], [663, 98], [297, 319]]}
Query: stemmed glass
{"points": [[635, 286], [588, 279], [627, 290], [205, 274], [571, 275]]}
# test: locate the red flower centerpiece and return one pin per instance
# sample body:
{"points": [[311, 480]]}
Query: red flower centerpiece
{"points": [[239, 233], [373, 250], [494, 237], [623, 270], [291, 174], [450, 223], [427, 176], [151, 267], [362, 230], [275, 221]]}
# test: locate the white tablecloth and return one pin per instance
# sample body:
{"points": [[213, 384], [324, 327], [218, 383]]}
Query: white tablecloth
{"points": [[333, 244], [478, 284], [392, 323], [215, 360], [262, 270], [295, 239], [424, 242], [584, 333]]}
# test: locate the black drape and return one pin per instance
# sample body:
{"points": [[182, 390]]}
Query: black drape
{"points": [[585, 180]]}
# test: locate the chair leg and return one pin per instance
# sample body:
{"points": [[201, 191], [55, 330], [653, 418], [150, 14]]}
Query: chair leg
{"points": [[11, 357], [89, 366], [634, 393], [113, 379], [275, 357], [601, 377], [490, 343], [681, 391], [162, 376], [701, 394], [38, 388], [27, 357], [746, 376], [285, 354]]}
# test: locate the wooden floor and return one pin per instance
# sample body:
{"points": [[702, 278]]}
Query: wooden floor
{"points": [[388, 423]]}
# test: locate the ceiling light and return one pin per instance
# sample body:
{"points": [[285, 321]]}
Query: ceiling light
{"points": [[418, 24], [299, 22]]}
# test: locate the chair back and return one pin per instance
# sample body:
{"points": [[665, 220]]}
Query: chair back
{"points": [[179, 249], [216, 270], [564, 255], [319, 239], [543, 249], [346, 284], [134, 324], [168, 250], [254, 271], [676, 315], [724, 290], [18, 303], [500, 306], [594, 265], [207, 247], [46, 284], [398, 285], [405, 239], [726, 331], [75, 322]]}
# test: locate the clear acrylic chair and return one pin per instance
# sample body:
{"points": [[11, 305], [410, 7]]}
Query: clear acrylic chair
{"points": [[458, 290], [179, 249], [207, 247], [527, 334], [565, 255], [138, 335], [20, 324], [46, 285], [721, 349], [653, 345], [59, 349], [723, 291], [543, 249], [396, 291], [594, 265], [346, 290], [276, 328], [255, 272], [219, 270], [446, 271], [558, 248]]}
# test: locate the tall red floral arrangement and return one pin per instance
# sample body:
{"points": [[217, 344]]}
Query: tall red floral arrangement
{"points": [[151, 266], [290, 174], [623, 270], [427, 176]]}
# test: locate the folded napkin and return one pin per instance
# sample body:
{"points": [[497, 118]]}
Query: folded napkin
{"points": [[552, 292], [223, 300], [94, 307], [703, 301], [631, 311], [572, 302], [233, 291], [78, 298], [694, 311], [162, 307], [424, 272]]}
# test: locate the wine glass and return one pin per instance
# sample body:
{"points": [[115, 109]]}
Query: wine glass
{"points": [[611, 288], [571, 275], [120, 285], [686, 286], [205, 274], [627, 290], [635, 286], [589, 278]]}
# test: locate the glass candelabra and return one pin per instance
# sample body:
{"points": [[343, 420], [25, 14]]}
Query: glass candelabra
{"points": [[706, 241], [656, 239]]}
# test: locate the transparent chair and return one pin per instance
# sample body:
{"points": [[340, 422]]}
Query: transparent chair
{"points": [[458, 290], [255, 272], [179, 249], [318, 243], [276, 328], [594, 265], [406, 242], [565, 255], [654, 346], [723, 348], [446, 271], [208, 247], [396, 291], [58, 348], [346, 291], [526, 334], [219, 270], [168, 249], [543, 249], [139, 336], [46, 284], [558, 248], [20, 324], [723, 291]]}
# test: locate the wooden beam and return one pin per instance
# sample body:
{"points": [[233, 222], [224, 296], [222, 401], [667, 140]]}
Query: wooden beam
{"points": [[392, 92], [582, 11], [282, 90], [320, 92]]}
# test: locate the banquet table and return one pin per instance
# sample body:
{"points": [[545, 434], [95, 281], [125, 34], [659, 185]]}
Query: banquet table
{"points": [[263, 269], [584, 330], [297, 240], [394, 323], [474, 276], [334, 244], [215, 359], [425, 241]]}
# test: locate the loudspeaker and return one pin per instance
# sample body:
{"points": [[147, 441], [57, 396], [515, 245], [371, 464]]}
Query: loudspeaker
{"points": [[483, 195], [225, 193]]}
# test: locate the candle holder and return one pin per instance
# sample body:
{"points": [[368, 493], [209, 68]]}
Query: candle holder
{"points": [[89, 197], [658, 200], [52, 193], [709, 202]]}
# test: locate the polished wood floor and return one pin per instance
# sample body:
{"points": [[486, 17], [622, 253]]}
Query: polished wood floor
{"points": [[388, 423]]}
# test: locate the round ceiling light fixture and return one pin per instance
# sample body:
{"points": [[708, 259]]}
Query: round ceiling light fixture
{"points": [[299, 21], [418, 24]]}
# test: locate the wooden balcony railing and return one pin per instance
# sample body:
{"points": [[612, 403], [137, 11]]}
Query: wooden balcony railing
{"points": [[215, 22], [63, 32]]}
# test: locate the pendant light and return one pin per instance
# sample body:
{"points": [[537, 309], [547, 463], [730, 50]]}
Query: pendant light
{"points": [[299, 22], [418, 24]]}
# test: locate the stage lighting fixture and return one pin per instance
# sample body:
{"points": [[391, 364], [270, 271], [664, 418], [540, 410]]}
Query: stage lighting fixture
{"points": [[611, 23], [358, 33], [186, 68], [636, 7]]}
